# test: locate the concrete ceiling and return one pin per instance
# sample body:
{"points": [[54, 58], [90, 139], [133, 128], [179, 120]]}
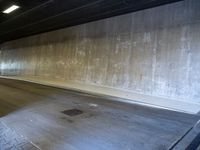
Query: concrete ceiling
{"points": [[37, 16]]}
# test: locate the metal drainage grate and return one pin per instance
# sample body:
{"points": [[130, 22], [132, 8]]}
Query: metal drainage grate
{"points": [[72, 112]]}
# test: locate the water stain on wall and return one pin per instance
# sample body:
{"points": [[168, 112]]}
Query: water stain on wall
{"points": [[152, 52]]}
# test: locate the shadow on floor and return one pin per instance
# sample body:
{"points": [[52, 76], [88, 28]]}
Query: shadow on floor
{"points": [[15, 95]]}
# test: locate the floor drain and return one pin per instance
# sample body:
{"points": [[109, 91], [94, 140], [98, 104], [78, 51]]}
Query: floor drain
{"points": [[72, 112]]}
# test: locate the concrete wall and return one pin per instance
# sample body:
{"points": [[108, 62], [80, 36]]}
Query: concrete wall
{"points": [[153, 53]]}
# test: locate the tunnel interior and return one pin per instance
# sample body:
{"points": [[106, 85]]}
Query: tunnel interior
{"points": [[99, 75]]}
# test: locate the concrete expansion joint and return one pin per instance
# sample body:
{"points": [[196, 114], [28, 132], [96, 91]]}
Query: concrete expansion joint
{"points": [[197, 126]]}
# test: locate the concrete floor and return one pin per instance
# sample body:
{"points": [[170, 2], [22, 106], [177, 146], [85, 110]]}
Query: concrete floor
{"points": [[32, 118]]}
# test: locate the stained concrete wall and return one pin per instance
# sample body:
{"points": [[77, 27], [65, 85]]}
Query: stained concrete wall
{"points": [[153, 52]]}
